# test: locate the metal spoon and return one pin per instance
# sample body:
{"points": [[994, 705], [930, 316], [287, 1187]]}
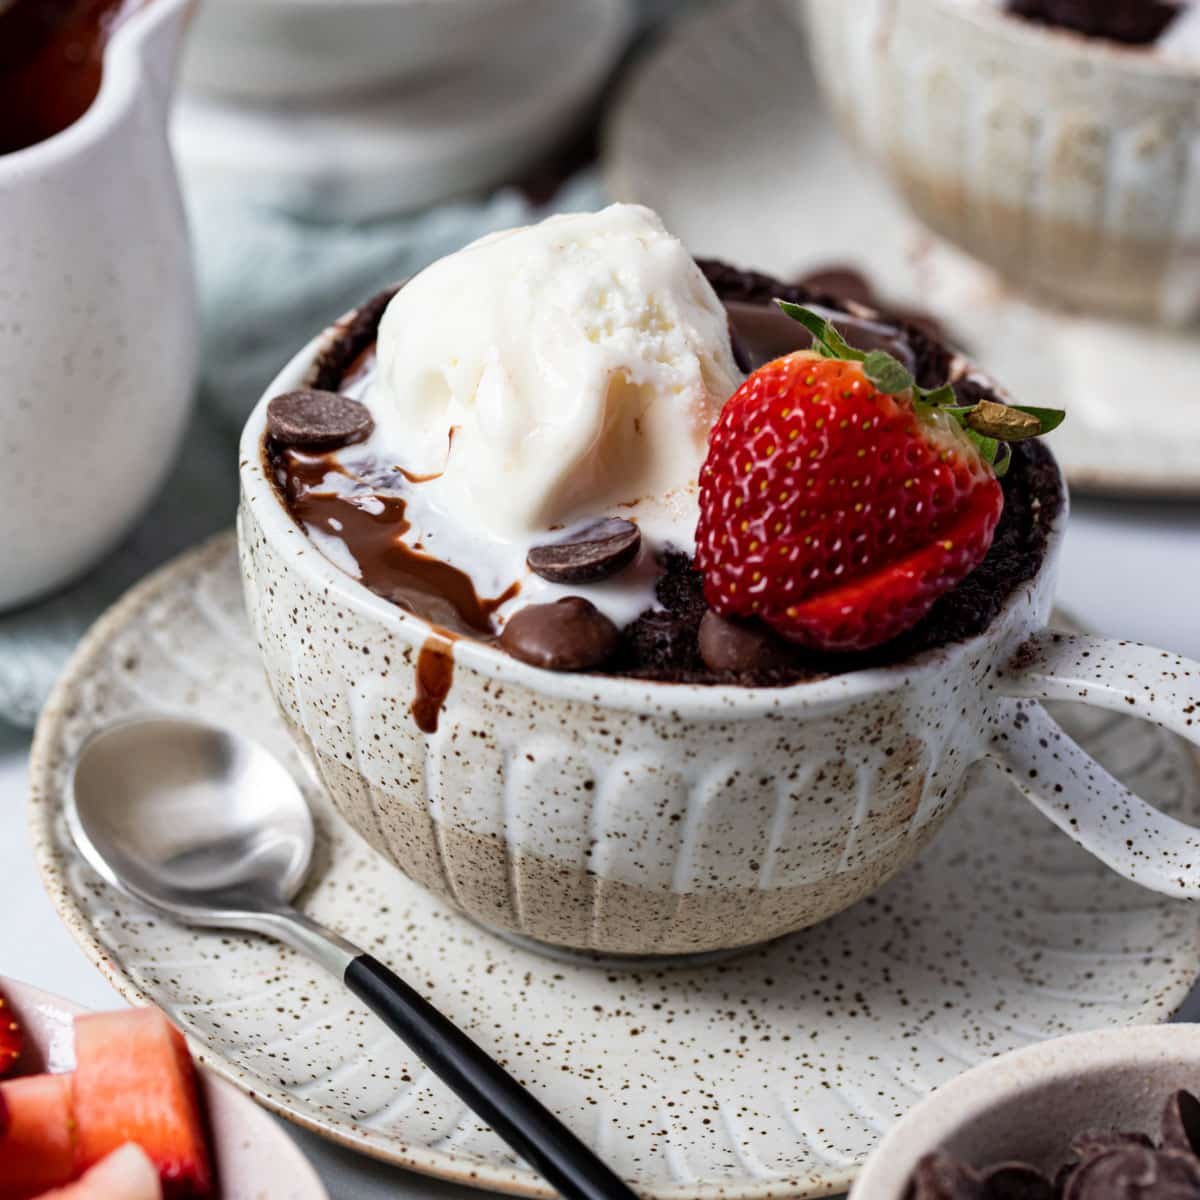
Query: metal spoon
{"points": [[210, 829]]}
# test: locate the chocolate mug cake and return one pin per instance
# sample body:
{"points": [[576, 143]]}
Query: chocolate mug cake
{"points": [[617, 589]]}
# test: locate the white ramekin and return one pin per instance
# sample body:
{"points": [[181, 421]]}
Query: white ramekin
{"points": [[1027, 1105]]}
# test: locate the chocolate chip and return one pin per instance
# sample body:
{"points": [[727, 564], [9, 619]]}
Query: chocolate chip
{"points": [[595, 552], [1093, 1142], [349, 342], [736, 646], [1135, 1173], [1016, 1181], [844, 282], [1062, 1177], [939, 1177], [924, 336], [317, 420], [1181, 1124], [923, 326], [571, 634], [765, 332], [741, 352], [872, 335]]}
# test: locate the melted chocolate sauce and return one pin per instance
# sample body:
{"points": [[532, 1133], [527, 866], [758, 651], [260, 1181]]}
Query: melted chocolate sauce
{"points": [[371, 525], [51, 62], [435, 672]]}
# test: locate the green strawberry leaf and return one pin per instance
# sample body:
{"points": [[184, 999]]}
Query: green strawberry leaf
{"points": [[1051, 418], [990, 424], [887, 373], [827, 342], [942, 397], [988, 447]]}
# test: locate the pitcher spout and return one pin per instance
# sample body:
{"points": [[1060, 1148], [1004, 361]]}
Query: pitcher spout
{"points": [[149, 41]]}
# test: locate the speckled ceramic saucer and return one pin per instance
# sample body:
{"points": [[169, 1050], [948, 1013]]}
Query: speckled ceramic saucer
{"points": [[722, 131], [771, 1074]]}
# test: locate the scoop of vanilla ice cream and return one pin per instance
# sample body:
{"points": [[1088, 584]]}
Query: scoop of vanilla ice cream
{"points": [[554, 372]]}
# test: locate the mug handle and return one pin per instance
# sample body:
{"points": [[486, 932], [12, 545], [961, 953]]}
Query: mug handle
{"points": [[1065, 783]]}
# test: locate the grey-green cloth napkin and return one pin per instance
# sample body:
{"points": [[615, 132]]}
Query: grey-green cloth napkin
{"points": [[267, 284]]}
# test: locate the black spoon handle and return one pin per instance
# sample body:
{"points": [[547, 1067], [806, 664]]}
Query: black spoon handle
{"points": [[538, 1136]]}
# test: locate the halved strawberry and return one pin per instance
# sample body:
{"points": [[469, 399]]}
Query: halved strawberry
{"points": [[37, 1149], [134, 1082], [838, 500], [126, 1174], [12, 1038]]}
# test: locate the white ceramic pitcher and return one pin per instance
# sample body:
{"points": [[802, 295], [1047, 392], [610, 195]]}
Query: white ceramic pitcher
{"points": [[97, 317]]}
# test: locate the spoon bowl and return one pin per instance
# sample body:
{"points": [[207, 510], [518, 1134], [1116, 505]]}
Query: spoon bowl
{"points": [[190, 818]]}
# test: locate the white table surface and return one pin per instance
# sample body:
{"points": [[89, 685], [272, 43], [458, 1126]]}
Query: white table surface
{"points": [[1129, 568]]}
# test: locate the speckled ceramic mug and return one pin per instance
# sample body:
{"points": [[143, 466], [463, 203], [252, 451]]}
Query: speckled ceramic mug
{"points": [[640, 818]]}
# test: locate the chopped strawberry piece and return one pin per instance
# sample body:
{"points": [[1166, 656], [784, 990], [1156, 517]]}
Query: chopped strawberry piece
{"points": [[12, 1038], [37, 1149], [126, 1174], [135, 1082]]}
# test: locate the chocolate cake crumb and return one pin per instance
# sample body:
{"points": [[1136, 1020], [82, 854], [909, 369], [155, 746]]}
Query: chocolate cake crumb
{"points": [[663, 640], [680, 589]]}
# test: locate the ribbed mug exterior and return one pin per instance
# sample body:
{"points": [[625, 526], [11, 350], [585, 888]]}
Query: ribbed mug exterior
{"points": [[1069, 165]]}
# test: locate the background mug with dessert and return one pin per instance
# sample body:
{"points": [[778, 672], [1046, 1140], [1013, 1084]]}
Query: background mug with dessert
{"points": [[1055, 142], [637, 814]]}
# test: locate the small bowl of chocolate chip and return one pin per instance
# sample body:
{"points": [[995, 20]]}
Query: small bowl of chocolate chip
{"points": [[1104, 1115], [1054, 140]]}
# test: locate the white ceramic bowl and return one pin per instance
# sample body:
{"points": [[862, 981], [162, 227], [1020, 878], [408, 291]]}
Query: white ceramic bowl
{"points": [[274, 49], [1027, 1105], [632, 817], [519, 76], [97, 317], [254, 1157], [1070, 165]]}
